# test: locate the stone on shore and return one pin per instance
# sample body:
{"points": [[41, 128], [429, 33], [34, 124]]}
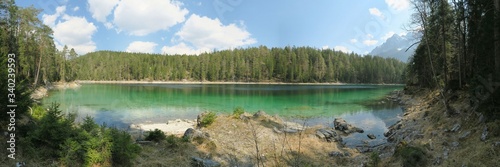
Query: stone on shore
{"points": [[199, 162], [328, 134], [341, 125]]}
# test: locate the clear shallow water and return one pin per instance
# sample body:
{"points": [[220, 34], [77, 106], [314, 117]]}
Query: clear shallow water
{"points": [[121, 105]]}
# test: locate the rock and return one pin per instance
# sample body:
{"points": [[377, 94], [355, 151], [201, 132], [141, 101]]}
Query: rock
{"points": [[364, 149], [260, 114], [481, 119], [199, 162], [464, 135], [496, 144], [455, 128], [437, 161], [455, 144], [484, 135], [342, 125], [371, 136], [446, 153], [193, 133], [339, 154], [328, 134]]}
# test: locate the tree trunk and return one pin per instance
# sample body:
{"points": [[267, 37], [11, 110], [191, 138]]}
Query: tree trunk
{"points": [[497, 40]]}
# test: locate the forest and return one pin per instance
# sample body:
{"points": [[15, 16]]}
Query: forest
{"points": [[459, 50], [256, 64]]}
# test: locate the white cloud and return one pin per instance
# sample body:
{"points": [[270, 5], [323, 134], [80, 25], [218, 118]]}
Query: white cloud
{"points": [[388, 35], [75, 32], [76, 8], [353, 40], [50, 20], [376, 12], [398, 5], [200, 34], [100, 9], [370, 42], [141, 47], [144, 17], [342, 49], [325, 47], [182, 48]]}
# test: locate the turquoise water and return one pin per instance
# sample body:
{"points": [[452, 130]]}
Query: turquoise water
{"points": [[123, 104]]}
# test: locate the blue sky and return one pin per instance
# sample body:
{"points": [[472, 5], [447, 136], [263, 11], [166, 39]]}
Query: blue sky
{"points": [[196, 26]]}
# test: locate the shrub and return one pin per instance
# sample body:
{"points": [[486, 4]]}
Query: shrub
{"points": [[238, 111], [374, 159], [123, 150], [411, 156], [208, 119], [156, 135], [37, 112]]}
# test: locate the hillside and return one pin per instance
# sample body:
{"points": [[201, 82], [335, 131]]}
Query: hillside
{"points": [[262, 64]]}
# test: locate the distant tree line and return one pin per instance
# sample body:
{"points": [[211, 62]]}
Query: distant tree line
{"points": [[256, 64]]}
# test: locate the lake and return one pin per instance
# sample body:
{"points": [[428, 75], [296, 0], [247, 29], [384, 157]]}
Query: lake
{"points": [[123, 104]]}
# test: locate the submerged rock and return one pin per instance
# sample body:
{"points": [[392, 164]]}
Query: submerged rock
{"points": [[371, 136]]}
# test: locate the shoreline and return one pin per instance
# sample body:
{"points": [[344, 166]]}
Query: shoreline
{"points": [[222, 83]]}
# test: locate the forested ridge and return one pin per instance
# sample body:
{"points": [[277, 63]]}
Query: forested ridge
{"points": [[256, 64]]}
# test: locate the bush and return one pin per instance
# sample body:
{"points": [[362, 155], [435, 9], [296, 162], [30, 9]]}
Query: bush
{"points": [[37, 112], [208, 119], [238, 111], [411, 156], [374, 159], [156, 135], [123, 150]]}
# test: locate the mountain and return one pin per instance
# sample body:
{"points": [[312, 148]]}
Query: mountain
{"points": [[396, 46]]}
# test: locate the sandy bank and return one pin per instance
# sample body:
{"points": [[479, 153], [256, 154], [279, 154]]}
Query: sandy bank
{"points": [[42, 91], [174, 127]]}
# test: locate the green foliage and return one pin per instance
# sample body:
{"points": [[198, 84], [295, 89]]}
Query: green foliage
{"points": [[53, 129], [156, 135], [411, 156], [123, 150], [208, 119], [238, 111], [38, 112], [374, 160], [173, 141], [289, 64]]}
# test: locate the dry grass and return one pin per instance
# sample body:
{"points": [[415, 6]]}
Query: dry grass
{"points": [[430, 117]]}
